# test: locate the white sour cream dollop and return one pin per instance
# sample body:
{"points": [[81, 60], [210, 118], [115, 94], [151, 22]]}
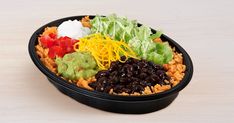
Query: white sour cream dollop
{"points": [[73, 29]]}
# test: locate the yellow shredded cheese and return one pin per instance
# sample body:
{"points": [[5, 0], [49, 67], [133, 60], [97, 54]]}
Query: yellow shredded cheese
{"points": [[104, 49]]}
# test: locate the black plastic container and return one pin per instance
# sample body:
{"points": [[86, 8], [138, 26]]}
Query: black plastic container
{"points": [[107, 102]]}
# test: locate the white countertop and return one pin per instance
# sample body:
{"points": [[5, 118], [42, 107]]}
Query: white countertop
{"points": [[204, 28]]}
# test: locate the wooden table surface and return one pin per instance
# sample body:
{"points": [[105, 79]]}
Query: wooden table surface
{"points": [[205, 28]]}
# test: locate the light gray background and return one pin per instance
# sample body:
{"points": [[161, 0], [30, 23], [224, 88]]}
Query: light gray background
{"points": [[205, 28]]}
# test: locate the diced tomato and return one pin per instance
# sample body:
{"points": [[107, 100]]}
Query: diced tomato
{"points": [[47, 41], [56, 51], [57, 46], [70, 47], [52, 35], [66, 43]]}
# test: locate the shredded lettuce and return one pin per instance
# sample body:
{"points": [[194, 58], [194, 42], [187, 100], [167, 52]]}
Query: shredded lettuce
{"points": [[156, 35], [139, 38]]}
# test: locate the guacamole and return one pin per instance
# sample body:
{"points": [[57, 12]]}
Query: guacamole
{"points": [[77, 65]]}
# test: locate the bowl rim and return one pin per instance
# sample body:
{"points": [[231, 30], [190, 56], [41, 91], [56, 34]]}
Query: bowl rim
{"points": [[183, 83]]}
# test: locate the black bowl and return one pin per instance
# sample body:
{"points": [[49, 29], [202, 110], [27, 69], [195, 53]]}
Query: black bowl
{"points": [[107, 102]]}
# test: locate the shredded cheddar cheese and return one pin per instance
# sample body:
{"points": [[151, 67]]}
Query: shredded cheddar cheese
{"points": [[104, 49]]}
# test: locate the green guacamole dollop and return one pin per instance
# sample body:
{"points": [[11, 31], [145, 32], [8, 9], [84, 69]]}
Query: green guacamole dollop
{"points": [[77, 65]]}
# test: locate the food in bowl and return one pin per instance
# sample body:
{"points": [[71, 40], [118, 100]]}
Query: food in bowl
{"points": [[112, 55]]}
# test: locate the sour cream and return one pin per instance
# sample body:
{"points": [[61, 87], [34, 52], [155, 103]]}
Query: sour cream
{"points": [[73, 29]]}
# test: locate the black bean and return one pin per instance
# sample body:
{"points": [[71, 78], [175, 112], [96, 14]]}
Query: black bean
{"points": [[137, 88], [122, 80], [154, 78], [151, 64], [123, 69], [129, 77], [114, 64], [107, 89], [135, 83], [118, 88], [167, 78], [93, 85], [123, 75], [144, 70], [123, 58], [112, 68], [114, 73], [100, 88], [142, 75], [148, 79], [157, 67], [129, 74], [135, 60], [102, 74], [136, 72], [135, 79], [126, 90], [143, 83], [142, 64], [129, 61], [114, 79], [161, 82], [102, 80], [150, 84], [135, 66]]}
